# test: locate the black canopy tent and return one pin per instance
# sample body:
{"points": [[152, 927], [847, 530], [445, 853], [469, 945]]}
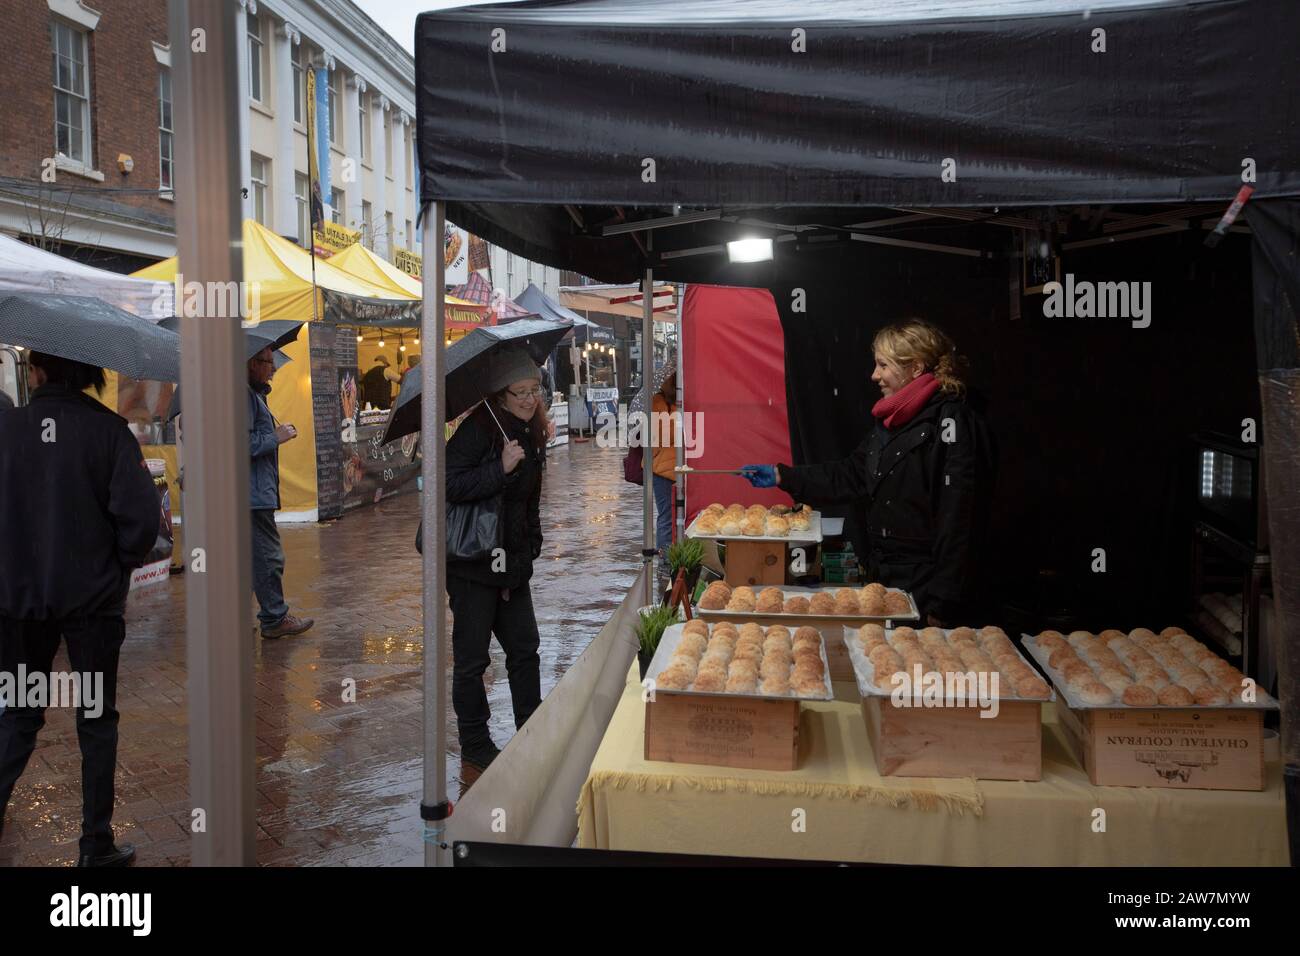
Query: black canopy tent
{"points": [[916, 146]]}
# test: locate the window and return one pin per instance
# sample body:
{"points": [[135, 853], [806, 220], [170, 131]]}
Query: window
{"points": [[335, 98], [300, 190], [388, 150], [165, 130], [260, 168], [407, 243], [406, 159], [388, 227], [71, 94], [363, 127], [299, 86], [255, 57], [367, 234], [336, 206]]}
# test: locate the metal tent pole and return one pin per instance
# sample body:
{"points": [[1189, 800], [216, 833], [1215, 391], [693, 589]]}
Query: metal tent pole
{"points": [[647, 460], [679, 489], [219, 636], [434, 807]]}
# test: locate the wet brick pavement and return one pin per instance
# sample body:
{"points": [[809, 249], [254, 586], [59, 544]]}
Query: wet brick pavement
{"points": [[337, 783]]}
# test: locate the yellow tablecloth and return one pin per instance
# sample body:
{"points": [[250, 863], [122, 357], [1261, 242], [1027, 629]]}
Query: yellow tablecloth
{"points": [[837, 807]]}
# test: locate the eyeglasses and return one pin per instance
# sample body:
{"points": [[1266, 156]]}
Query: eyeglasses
{"points": [[533, 393]]}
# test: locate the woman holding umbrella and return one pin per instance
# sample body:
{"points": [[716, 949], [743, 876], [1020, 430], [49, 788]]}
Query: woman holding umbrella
{"points": [[923, 474], [498, 450]]}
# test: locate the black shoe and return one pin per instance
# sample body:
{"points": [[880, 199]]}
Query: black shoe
{"points": [[117, 856], [480, 757]]}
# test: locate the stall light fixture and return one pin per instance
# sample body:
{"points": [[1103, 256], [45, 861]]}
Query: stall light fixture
{"points": [[750, 250], [449, 341], [401, 345], [358, 338], [417, 340]]}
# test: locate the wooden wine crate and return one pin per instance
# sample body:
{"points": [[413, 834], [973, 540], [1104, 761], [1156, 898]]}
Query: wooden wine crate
{"points": [[751, 733], [755, 562], [956, 741], [1208, 748]]}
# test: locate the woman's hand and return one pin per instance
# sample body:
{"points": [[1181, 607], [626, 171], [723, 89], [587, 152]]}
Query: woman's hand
{"points": [[761, 476], [511, 456]]}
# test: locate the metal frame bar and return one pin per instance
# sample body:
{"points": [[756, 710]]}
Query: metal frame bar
{"points": [[218, 629], [647, 459], [434, 472], [1125, 237], [662, 222]]}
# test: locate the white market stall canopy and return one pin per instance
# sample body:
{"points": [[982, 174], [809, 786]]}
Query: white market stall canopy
{"points": [[25, 268]]}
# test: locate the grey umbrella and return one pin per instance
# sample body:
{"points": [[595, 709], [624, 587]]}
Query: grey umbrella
{"points": [[466, 363], [87, 329]]}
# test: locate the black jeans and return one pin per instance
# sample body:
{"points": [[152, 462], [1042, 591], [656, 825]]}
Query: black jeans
{"points": [[478, 612], [94, 644]]}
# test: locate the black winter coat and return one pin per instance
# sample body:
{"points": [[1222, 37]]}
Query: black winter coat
{"points": [[925, 488], [78, 510], [474, 472]]}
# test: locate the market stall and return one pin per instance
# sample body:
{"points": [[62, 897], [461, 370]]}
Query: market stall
{"points": [[364, 308], [966, 222]]}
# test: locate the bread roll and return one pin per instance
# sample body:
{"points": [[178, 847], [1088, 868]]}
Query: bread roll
{"points": [[1175, 696], [710, 682], [1137, 695], [778, 685], [1033, 688], [896, 602], [739, 602], [846, 604], [822, 604], [707, 524], [1209, 696], [796, 605], [776, 527], [741, 685], [771, 601], [672, 678], [1094, 692]]}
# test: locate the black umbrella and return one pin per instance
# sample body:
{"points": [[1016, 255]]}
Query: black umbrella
{"points": [[466, 365], [87, 329], [174, 409], [273, 333]]}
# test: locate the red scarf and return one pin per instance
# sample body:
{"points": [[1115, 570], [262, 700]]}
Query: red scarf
{"points": [[898, 409]]}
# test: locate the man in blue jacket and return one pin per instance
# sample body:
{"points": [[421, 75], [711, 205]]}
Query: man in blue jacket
{"points": [[264, 440], [78, 512]]}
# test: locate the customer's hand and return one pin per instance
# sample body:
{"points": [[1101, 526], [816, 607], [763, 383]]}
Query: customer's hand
{"points": [[511, 456], [284, 433], [760, 476], [550, 429]]}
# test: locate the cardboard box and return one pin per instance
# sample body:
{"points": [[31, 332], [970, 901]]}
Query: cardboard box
{"points": [[1210, 748], [956, 741], [750, 733]]}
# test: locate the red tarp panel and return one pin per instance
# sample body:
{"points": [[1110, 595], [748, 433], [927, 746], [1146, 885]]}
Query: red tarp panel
{"points": [[734, 364]]}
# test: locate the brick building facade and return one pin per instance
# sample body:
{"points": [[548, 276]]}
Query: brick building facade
{"points": [[97, 74]]}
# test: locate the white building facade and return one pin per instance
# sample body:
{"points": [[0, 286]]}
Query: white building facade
{"points": [[370, 110]]}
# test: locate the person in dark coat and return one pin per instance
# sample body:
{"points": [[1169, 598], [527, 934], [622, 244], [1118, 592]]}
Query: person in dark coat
{"points": [[79, 512], [498, 450], [923, 475], [265, 436]]}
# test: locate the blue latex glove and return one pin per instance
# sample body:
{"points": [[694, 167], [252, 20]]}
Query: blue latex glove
{"points": [[760, 476]]}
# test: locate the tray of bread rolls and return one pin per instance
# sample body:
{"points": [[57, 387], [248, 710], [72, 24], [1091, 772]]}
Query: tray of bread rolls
{"points": [[748, 660], [757, 523], [879, 654], [1141, 670], [795, 605]]}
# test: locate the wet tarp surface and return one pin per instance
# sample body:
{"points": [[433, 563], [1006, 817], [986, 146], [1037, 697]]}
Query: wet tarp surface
{"points": [[836, 103]]}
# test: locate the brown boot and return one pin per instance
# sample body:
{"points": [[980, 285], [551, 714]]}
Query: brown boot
{"points": [[288, 626]]}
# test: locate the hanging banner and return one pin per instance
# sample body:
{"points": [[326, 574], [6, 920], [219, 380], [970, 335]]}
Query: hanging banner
{"points": [[313, 159], [455, 254], [322, 138], [344, 309], [409, 262], [331, 238]]}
